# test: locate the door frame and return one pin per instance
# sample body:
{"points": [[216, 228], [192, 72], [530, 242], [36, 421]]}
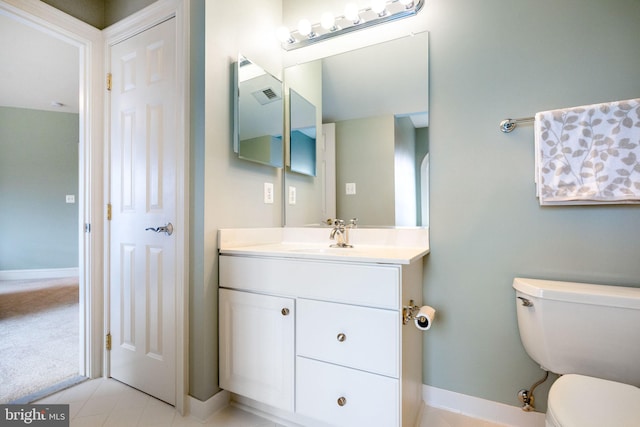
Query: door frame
{"points": [[148, 17], [89, 42]]}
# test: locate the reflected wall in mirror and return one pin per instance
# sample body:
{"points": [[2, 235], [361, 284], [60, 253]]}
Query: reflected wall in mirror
{"points": [[374, 109], [258, 114], [302, 135]]}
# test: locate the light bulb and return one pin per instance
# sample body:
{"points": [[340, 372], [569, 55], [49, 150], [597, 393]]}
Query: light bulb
{"points": [[352, 13], [406, 3], [328, 21], [284, 35], [304, 28], [379, 7]]}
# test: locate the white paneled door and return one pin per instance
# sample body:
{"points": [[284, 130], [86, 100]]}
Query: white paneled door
{"points": [[143, 197]]}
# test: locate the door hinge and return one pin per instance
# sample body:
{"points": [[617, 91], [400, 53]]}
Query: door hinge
{"points": [[108, 342], [109, 82], [109, 212], [87, 228]]}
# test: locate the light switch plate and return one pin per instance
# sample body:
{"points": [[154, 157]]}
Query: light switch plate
{"points": [[268, 192], [70, 198], [350, 188], [292, 195]]}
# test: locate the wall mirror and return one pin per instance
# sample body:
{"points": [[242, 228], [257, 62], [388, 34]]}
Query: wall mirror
{"points": [[302, 136], [258, 114], [372, 145]]}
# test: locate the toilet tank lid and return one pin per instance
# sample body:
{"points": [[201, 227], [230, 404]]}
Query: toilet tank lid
{"points": [[615, 296]]}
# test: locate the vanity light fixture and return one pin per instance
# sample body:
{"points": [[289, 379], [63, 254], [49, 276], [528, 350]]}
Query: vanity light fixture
{"points": [[379, 7], [328, 21], [354, 19], [283, 34], [352, 13], [305, 29]]}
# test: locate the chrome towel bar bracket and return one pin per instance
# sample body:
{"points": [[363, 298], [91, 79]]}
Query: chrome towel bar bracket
{"points": [[508, 125]]}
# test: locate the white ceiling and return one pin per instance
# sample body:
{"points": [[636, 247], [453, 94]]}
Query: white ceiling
{"points": [[36, 68]]}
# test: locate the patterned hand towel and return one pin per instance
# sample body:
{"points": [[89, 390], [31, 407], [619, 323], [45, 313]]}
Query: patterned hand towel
{"points": [[589, 154]]}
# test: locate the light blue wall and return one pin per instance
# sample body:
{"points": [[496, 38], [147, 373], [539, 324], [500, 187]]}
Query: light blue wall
{"points": [[38, 168], [203, 382], [363, 145], [490, 60]]}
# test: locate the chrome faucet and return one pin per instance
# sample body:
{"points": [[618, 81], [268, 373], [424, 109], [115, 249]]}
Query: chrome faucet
{"points": [[340, 232]]}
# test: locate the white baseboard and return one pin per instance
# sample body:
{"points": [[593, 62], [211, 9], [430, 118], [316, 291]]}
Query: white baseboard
{"points": [[203, 410], [494, 412], [476, 407], [279, 416], [42, 273]]}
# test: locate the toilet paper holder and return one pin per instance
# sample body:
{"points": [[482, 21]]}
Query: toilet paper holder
{"points": [[409, 312]]}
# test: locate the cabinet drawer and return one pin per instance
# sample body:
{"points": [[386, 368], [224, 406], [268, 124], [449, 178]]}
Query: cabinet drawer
{"points": [[358, 337], [369, 399], [363, 284]]}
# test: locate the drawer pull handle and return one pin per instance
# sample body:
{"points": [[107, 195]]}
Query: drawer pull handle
{"points": [[342, 401], [342, 338], [285, 311]]}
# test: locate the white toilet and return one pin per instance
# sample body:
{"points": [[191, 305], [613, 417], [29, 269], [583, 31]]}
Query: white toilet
{"points": [[590, 334]]}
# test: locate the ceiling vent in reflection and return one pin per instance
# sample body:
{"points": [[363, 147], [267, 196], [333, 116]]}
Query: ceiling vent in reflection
{"points": [[266, 96]]}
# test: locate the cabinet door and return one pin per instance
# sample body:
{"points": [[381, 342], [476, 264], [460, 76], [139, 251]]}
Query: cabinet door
{"points": [[257, 347]]}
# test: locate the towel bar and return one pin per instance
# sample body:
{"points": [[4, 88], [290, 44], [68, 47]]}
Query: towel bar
{"points": [[507, 125]]}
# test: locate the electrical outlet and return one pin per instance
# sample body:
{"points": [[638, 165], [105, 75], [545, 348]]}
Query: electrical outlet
{"points": [[350, 188], [292, 195], [70, 198], [268, 192]]}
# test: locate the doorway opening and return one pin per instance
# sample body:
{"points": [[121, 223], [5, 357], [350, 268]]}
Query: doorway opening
{"points": [[69, 252]]}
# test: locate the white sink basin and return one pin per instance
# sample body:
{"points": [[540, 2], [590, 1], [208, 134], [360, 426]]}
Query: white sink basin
{"points": [[369, 245]]}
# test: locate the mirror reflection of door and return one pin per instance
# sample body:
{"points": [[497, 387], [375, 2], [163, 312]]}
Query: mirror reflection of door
{"points": [[303, 136], [39, 210]]}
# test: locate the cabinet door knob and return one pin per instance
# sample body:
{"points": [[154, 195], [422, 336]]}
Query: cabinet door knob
{"points": [[342, 401], [285, 311], [342, 337]]}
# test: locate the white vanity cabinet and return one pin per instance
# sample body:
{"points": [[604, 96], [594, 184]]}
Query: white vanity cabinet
{"points": [[356, 364]]}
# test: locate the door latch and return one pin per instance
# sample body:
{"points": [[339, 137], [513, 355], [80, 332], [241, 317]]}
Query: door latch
{"points": [[168, 229]]}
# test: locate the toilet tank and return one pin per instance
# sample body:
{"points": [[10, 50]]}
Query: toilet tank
{"points": [[578, 328]]}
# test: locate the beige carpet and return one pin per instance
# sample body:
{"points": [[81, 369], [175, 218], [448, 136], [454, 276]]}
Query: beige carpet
{"points": [[39, 341]]}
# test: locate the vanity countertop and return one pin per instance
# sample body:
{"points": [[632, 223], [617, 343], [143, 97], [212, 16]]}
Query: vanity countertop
{"points": [[374, 245]]}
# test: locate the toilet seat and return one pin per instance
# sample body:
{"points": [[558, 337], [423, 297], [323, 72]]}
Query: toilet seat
{"points": [[581, 401]]}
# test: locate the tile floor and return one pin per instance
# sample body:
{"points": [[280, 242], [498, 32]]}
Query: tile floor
{"points": [[106, 402]]}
